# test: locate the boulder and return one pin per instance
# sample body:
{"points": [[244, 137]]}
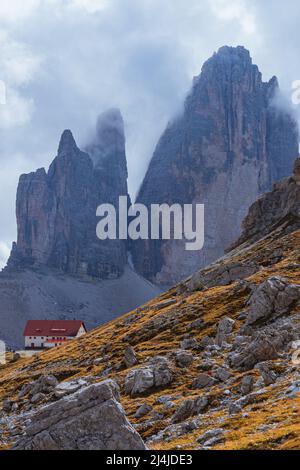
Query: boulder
{"points": [[90, 419], [16, 357], [189, 343], [139, 381], [211, 437], [66, 388], [271, 299], [130, 357], [268, 375], [44, 384], [161, 370], [237, 406], [225, 328], [203, 381], [265, 345], [184, 358], [247, 384], [157, 373], [7, 405], [190, 407], [293, 389], [223, 374], [206, 365], [143, 410], [206, 342], [234, 408]]}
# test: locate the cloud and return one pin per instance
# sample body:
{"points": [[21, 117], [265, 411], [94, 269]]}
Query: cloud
{"points": [[14, 10], [239, 10], [16, 111], [18, 67], [66, 61], [91, 6], [4, 253]]}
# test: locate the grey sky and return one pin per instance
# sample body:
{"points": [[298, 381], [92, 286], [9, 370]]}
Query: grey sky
{"points": [[65, 61]]}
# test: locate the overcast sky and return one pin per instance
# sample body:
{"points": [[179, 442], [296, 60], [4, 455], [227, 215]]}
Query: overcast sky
{"points": [[65, 61]]}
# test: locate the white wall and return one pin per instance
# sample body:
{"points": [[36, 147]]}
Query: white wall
{"points": [[81, 332], [39, 342]]}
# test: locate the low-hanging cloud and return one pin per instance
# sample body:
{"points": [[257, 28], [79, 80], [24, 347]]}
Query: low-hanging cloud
{"points": [[66, 61]]}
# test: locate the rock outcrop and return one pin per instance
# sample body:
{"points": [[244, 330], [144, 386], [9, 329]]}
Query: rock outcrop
{"points": [[190, 407], [229, 145], [154, 375], [56, 210], [91, 419], [273, 298], [265, 345], [279, 207]]}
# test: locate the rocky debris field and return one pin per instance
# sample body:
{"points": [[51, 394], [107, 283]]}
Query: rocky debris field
{"points": [[201, 367], [212, 369]]}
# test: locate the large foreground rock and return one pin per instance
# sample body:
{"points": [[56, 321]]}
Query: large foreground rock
{"points": [[92, 419]]}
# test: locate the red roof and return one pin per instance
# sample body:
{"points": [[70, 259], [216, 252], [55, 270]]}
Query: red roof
{"points": [[53, 327]]}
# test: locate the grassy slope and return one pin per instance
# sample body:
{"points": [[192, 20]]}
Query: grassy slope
{"points": [[281, 415]]}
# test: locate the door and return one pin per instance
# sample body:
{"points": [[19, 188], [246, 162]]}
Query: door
{"points": [[32, 345]]}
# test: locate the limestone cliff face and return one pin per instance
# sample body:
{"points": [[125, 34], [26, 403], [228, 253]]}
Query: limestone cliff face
{"points": [[56, 211], [229, 145]]}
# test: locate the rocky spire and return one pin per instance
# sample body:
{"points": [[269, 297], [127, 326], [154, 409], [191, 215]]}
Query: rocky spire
{"points": [[56, 211], [67, 144], [107, 150], [229, 145]]}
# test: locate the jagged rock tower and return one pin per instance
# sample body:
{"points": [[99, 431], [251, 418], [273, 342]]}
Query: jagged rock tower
{"points": [[56, 211], [229, 145]]}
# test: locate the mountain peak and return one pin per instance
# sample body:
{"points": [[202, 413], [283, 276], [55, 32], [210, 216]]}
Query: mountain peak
{"points": [[228, 57], [67, 143], [229, 141], [107, 147], [230, 51], [109, 123], [56, 212]]}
